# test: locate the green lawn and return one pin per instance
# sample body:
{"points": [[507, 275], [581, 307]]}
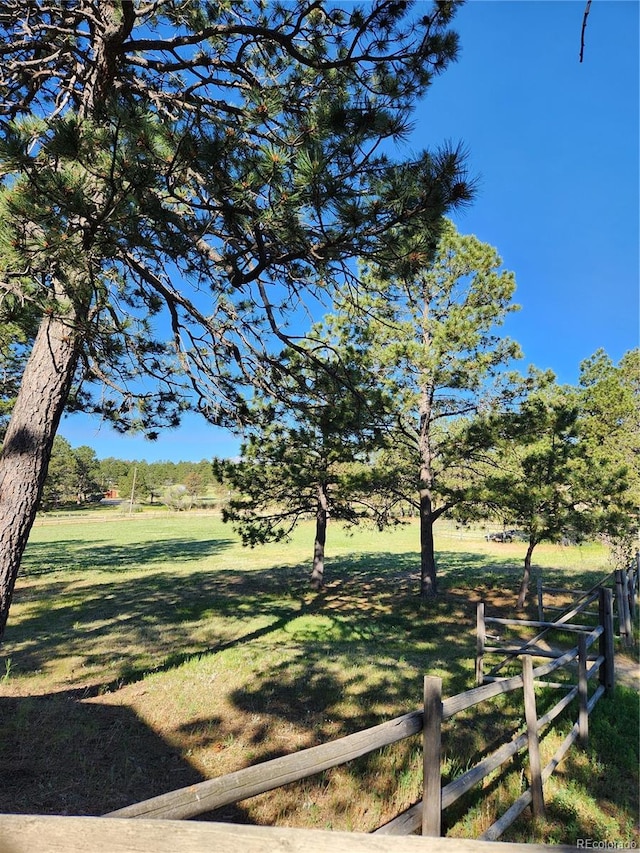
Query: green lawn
{"points": [[146, 653]]}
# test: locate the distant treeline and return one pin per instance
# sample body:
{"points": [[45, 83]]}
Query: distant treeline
{"points": [[76, 475]]}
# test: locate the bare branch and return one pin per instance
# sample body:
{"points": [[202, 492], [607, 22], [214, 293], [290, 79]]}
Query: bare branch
{"points": [[587, 9]]}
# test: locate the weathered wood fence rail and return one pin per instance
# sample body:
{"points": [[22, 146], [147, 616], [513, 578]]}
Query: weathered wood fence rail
{"points": [[426, 815], [46, 834], [251, 781], [533, 645], [624, 583]]}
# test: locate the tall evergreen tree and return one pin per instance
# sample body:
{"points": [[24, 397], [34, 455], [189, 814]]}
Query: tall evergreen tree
{"points": [[61, 481], [429, 325], [87, 473], [111, 473], [212, 164]]}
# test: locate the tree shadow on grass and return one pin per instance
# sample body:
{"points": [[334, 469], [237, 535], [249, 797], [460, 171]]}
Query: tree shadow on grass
{"points": [[64, 757], [135, 625], [128, 626], [366, 635], [44, 558], [59, 756]]}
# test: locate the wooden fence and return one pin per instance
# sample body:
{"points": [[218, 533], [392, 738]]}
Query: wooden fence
{"points": [[425, 815], [624, 583], [29, 833], [534, 645], [80, 517]]}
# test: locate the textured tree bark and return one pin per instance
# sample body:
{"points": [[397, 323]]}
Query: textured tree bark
{"points": [[428, 582], [526, 575], [428, 579], [317, 574], [24, 458]]}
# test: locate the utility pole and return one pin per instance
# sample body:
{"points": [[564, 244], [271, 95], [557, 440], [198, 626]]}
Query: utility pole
{"points": [[133, 488]]}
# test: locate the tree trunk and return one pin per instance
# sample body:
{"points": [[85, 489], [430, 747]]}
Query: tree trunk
{"points": [[26, 451], [526, 576], [317, 575], [428, 580]]}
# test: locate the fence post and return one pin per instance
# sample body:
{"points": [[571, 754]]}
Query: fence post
{"points": [[618, 596], [628, 630], [481, 635], [607, 669], [631, 586], [531, 716], [622, 606], [432, 748], [583, 714], [540, 601]]}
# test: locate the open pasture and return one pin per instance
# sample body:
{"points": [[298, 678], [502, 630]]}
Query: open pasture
{"points": [[144, 654]]}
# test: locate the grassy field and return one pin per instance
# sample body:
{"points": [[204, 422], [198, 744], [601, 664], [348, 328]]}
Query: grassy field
{"points": [[147, 653]]}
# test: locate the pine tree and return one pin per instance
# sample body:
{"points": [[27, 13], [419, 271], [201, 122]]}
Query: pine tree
{"points": [[309, 452], [429, 324], [206, 165], [546, 478]]}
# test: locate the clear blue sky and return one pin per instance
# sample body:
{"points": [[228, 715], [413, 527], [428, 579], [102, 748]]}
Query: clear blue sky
{"points": [[555, 145]]}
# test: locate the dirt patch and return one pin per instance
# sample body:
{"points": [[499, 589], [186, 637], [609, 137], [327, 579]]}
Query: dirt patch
{"points": [[628, 671]]}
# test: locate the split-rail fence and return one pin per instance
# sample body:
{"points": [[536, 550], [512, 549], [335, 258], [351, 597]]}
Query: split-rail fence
{"points": [[624, 584], [426, 815]]}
